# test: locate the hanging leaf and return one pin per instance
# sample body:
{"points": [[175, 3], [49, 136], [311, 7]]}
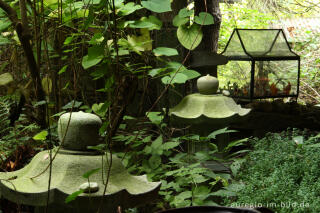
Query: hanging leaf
{"points": [[129, 8], [140, 43], [183, 13], [63, 69], [73, 196], [95, 55], [178, 21], [157, 6], [47, 85], [41, 136], [191, 74], [178, 78], [165, 51], [100, 109], [204, 19], [154, 161], [68, 40], [190, 37], [156, 71], [4, 24], [155, 117], [5, 79], [91, 172], [219, 132], [76, 104], [151, 22]]}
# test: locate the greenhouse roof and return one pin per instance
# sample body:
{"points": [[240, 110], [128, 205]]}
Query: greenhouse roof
{"points": [[258, 44]]}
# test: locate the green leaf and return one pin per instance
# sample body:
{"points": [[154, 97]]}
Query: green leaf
{"points": [[220, 131], [223, 193], [4, 41], [184, 195], [41, 136], [236, 165], [154, 161], [95, 55], [58, 114], [76, 104], [68, 40], [235, 187], [170, 145], [5, 79], [157, 142], [201, 192], [178, 78], [129, 8], [165, 51], [178, 21], [183, 13], [191, 74], [151, 23], [63, 69], [39, 103], [73, 196], [4, 24], [189, 37], [91, 172], [236, 143], [158, 6], [155, 117], [101, 108], [156, 71], [204, 19]]}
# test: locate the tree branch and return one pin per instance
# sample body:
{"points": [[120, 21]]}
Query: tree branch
{"points": [[12, 14]]}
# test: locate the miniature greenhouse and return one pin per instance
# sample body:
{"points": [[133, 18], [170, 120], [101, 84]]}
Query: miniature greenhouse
{"points": [[261, 65]]}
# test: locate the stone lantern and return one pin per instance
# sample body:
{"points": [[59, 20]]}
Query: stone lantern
{"points": [[77, 130], [207, 110]]}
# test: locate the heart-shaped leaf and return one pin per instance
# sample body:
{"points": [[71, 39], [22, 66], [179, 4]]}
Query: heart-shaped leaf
{"points": [[158, 6], [178, 21], [204, 19], [190, 37], [5, 79], [165, 51], [95, 55], [178, 78], [41, 136], [185, 13]]}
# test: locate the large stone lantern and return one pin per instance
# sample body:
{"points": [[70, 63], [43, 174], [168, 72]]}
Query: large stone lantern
{"points": [[77, 130]]}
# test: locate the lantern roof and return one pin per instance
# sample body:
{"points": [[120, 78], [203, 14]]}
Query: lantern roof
{"points": [[258, 44]]}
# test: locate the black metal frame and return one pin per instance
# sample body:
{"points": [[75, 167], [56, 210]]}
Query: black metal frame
{"points": [[253, 59]]}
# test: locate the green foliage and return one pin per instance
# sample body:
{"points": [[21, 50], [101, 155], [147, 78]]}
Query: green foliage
{"points": [[204, 19], [73, 196], [159, 51], [282, 169], [185, 181], [12, 137], [190, 36], [158, 6], [41, 136]]}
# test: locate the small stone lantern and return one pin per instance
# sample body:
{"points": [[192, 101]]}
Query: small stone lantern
{"points": [[77, 130], [207, 110]]}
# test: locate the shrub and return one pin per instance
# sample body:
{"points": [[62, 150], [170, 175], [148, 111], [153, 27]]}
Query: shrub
{"points": [[282, 173]]}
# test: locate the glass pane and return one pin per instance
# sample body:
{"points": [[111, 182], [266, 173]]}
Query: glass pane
{"points": [[275, 78], [235, 78]]}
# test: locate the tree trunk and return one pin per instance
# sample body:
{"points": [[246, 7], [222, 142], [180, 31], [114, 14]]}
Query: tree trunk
{"points": [[210, 32], [24, 37]]}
